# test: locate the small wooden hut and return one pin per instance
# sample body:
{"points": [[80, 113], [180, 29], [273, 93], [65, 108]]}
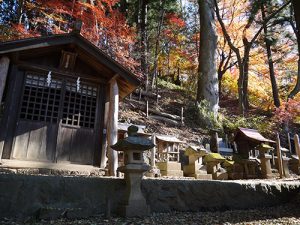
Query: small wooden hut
{"points": [[247, 140], [167, 155], [56, 91]]}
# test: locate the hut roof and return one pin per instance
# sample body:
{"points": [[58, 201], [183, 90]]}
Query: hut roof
{"points": [[251, 134], [214, 157], [195, 150], [90, 53], [168, 138]]}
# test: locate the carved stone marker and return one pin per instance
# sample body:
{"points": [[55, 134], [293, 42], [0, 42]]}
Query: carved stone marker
{"points": [[133, 147], [195, 168]]}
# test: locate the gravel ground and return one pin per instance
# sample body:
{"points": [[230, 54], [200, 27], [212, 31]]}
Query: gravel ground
{"points": [[284, 214]]}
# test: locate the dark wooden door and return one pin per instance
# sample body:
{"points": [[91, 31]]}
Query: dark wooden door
{"points": [[37, 125], [56, 120], [77, 136]]}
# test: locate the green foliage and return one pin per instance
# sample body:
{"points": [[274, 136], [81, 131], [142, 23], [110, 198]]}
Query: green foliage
{"points": [[260, 123], [168, 85], [199, 115]]}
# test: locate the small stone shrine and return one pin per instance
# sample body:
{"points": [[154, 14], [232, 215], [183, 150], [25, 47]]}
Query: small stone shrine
{"points": [[195, 168], [134, 168], [167, 155], [213, 162]]}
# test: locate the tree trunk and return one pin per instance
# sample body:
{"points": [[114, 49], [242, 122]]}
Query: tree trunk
{"points": [[246, 80], [159, 26], [296, 7], [241, 89], [207, 74], [112, 133], [270, 61], [143, 39]]}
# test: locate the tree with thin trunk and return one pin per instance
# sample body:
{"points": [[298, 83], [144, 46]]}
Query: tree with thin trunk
{"points": [[244, 56], [270, 59], [207, 73], [296, 27], [142, 30], [156, 49]]}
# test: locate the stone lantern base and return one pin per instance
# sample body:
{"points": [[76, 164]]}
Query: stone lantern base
{"points": [[135, 209], [135, 204]]}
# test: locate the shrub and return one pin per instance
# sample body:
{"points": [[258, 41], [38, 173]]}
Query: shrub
{"points": [[200, 115], [288, 112]]}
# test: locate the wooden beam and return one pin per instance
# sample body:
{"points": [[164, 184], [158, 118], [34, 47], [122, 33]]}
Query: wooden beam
{"points": [[112, 133], [46, 69], [297, 146], [279, 156], [4, 65], [114, 78]]}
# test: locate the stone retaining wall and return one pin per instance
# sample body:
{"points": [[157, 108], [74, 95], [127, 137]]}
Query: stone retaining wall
{"points": [[51, 196]]}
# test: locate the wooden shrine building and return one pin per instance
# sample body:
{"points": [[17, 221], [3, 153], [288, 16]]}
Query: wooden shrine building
{"points": [[247, 139], [55, 93]]}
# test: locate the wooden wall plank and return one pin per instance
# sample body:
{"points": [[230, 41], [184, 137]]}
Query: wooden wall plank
{"points": [[64, 140], [14, 99], [21, 139], [82, 146]]}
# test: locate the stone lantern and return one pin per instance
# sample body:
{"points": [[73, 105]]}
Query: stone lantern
{"points": [[133, 147], [265, 158]]}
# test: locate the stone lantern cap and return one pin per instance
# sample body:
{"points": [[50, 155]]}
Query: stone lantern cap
{"points": [[133, 142], [264, 147]]}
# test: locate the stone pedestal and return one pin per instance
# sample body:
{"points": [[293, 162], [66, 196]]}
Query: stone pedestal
{"points": [[285, 165], [170, 169], [214, 168], [197, 171], [265, 160], [265, 165], [135, 203]]}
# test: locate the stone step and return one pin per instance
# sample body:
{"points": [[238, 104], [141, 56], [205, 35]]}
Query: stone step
{"points": [[173, 173]]}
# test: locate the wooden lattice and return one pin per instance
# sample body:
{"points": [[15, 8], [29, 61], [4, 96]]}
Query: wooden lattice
{"points": [[40, 101]]}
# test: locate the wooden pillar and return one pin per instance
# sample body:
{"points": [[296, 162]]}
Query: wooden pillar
{"points": [[289, 141], [4, 65], [297, 146], [279, 157], [112, 132], [153, 150], [181, 115], [103, 162]]}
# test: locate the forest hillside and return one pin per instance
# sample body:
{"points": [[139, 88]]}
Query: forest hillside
{"points": [[224, 63]]}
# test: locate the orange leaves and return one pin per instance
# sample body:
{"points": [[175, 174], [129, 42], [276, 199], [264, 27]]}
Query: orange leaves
{"points": [[175, 20], [102, 24]]}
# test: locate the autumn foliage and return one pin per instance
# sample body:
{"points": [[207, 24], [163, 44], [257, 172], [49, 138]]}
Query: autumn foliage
{"points": [[102, 24]]}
